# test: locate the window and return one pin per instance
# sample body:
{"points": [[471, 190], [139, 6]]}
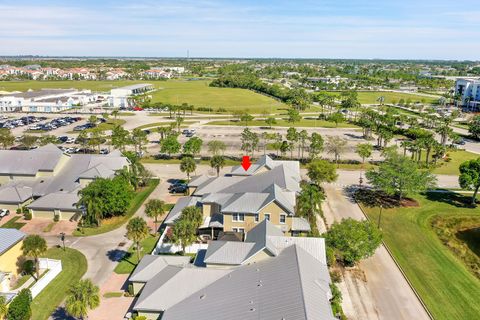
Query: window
{"points": [[257, 218], [267, 216], [238, 217], [240, 230], [283, 218]]}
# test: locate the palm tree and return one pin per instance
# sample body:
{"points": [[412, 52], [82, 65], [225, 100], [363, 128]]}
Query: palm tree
{"points": [[309, 201], [188, 166], [82, 296], [92, 206], [34, 246], [3, 307], [137, 230], [217, 162], [115, 113], [153, 209]]}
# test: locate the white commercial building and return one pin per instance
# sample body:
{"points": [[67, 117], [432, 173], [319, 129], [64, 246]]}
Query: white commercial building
{"points": [[119, 96], [45, 100], [469, 91]]}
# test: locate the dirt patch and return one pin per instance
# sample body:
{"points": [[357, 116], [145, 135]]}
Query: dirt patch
{"points": [[408, 202]]}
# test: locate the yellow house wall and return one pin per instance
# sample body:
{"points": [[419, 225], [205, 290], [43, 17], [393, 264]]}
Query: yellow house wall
{"points": [[46, 214], [273, 209], [9, 260], [137, 286], [149, 315]]}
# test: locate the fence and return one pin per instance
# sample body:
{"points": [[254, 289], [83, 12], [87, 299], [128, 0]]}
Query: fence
{"points": [[54, 267], [163, 247]]}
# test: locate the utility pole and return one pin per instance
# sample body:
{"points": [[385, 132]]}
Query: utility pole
{"points": [[380, 216]]}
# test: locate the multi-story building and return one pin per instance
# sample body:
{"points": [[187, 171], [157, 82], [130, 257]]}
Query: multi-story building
{"points": [[469, 91], [267, 276], [239, 201], [119, 97], [46, 180]]}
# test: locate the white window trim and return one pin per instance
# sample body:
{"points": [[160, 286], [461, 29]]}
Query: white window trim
{"points": [[236, 217], [280, 218], [256, 218], [267, 215]]}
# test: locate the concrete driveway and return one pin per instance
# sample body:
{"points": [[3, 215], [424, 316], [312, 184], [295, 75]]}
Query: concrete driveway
{"points": [[376, 289]]}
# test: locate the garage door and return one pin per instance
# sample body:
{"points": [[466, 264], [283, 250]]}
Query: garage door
{"points": [[67, 215], [11, 207], [43, 214]]}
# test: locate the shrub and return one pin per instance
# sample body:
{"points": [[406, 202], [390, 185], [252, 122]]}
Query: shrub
{"points": [[29, 267], [19, 308], [19, 211], [221, 110], [28, 215], [56, 218]]}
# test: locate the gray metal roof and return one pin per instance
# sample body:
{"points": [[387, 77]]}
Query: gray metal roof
{"points": [[56, 200], [314, 246], [41, 93], [182, 203], [151, 265], [14, 194], [29, 162], [293, 285], [268, 163], [236, 253], [300, 224], [135, 86], [9, 237], [173, 284]]}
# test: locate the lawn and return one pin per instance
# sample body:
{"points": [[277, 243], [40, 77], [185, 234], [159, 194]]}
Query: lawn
{"points": [[456, 158], [115, 222], [283, 123], [197, 93], [13, 224], [129, 261], [74, 266], [445, 284], [165, 123], [228, 162], [370, 97]]}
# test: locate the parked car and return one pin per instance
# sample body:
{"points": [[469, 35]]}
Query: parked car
{"points": [[104, 151], [70, 140], [63, 139], [4, 212], [180, 188]]}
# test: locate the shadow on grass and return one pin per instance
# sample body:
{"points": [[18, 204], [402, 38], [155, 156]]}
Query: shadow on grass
{"points": [[471, 237], [118, 255], [452, 198], [61, 314], [374, 198]]}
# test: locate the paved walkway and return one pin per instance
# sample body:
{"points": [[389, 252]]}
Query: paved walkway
{"points": [[377, 288]]}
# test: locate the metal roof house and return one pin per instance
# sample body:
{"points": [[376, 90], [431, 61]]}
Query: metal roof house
{"points": [[290, 282], [47, 181], [241, 200]]}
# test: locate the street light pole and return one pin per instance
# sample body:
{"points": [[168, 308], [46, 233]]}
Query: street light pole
{"points": [[62, 237], [380, 216]]}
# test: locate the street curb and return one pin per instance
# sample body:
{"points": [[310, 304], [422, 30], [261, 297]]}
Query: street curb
{"points": [[400, 268]]}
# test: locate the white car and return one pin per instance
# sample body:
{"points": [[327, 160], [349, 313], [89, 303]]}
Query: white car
{"points": [[4, 213], [70, 140]]}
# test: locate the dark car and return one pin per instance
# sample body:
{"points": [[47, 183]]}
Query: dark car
{"points": [[180, 188], [63, 139]]}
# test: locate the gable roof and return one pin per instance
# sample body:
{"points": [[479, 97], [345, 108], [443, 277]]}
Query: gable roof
{"points": [[173, 284], [176, 211], [9, 238], [293, 285], [29, 162], [15, 194], [151, 265]]}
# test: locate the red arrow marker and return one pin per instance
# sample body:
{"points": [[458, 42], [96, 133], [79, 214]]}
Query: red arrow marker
{"points": [[246, 162]]}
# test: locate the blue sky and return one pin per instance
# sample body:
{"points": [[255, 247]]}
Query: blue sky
{"points": [[401, 29]]}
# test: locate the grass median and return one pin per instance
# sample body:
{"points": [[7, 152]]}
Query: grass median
{"points": [[446, 285], [130, 261], [74, 266], [115, 222]]}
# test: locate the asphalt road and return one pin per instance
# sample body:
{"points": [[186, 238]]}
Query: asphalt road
{"points": [[377, 290]]}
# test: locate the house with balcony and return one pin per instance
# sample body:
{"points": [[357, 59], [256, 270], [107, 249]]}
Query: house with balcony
{"points": [[239, 201]]}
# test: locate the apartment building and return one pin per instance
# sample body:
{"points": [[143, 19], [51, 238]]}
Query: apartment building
{"points": [[120, 97], [46, 180], [268, 276], [239, 201], [469, 91]]}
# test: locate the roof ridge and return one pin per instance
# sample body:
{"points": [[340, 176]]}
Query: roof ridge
{"points": [[300, 280]]}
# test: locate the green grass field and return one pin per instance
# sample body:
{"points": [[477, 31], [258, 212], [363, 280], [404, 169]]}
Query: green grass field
{"points": [[446, 285], [197, 93], [74, 266], [283, 123], [13, 224], [457, 157], [130, 261], [116, 222], [390, 97]]}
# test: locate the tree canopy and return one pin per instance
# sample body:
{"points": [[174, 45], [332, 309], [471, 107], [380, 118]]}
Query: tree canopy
{"points": [[469, 178], [353, 240], [399, 176], [320, 171]]}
